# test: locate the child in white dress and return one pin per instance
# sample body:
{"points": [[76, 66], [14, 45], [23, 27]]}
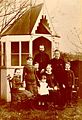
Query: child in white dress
{"points": [[43, 91]]}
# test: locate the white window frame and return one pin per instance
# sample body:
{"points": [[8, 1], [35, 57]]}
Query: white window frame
{"points": [[20, 52]]}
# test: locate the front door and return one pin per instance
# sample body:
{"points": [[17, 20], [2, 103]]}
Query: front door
{"points": [[41, 41]]}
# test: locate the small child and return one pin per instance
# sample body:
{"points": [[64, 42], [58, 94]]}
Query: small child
{"points": [[37, 72], [43, 91], [53, 93], [70, 80], [50, 76]]}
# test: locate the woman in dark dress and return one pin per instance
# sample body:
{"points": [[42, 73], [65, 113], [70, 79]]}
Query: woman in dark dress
{"points": [[29, 76]]}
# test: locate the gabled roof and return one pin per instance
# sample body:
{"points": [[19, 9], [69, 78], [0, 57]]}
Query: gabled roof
{"points": [[25, 23], [43, 27]]}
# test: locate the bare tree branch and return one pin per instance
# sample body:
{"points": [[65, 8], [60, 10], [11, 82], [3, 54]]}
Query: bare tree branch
{"points": [[9, 13]]}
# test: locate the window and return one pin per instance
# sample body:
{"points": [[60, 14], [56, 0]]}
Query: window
{"points": [[19, 53], [24, 52], [14, 53]]}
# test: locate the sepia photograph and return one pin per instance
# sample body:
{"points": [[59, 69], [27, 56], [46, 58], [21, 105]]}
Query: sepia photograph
{"points": [[40, 59]]}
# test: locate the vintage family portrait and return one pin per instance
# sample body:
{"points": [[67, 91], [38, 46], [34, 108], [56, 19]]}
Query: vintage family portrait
{"points": [[40, 59]]}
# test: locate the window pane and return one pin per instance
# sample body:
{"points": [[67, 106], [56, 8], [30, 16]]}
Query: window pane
{"points": [[15, 60], [24, 47], [15, 53], [24, 52], [23, 59], [14, 47]]}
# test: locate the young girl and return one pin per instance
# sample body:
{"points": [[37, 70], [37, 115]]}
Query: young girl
{"points": [[37, 72], [53, 94], [43, 91], [50, 76]]}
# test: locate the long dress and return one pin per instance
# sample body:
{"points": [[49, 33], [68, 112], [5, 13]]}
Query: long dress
{"points": [[19, 94], [43, 92], [30, 79]]}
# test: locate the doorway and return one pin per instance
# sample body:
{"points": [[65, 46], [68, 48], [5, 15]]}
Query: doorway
{"points": [[41, 41]]}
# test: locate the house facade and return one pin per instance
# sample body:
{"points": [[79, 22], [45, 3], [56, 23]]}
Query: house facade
{"points": [[21, 39]]}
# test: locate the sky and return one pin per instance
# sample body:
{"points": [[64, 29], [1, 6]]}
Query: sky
{"points": [[66, 16], [67, 20]]}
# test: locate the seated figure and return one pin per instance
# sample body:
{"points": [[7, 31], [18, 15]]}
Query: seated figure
{"points": [[18, 91]]}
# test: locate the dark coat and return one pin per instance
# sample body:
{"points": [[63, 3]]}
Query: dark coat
{"points": [[58, 68], [70, 78], [30, 78], [51, 80], [42, 58], [29, 74]]}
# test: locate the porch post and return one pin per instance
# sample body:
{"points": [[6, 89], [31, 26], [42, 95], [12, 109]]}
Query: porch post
{"points": [[5, 91], [30, 46]]}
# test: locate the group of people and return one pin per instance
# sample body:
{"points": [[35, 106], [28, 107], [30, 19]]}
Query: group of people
{"points": [[47, 80]]}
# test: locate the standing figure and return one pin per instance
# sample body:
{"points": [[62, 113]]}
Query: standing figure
{"points": [[70, 78], [42, 58], [29, 76], [51, 80], [43, 91], [58, 68], [50, 76], [37, 71]]}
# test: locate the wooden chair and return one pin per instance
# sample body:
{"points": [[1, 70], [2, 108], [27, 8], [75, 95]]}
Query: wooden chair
{"points": [[18, 100]]}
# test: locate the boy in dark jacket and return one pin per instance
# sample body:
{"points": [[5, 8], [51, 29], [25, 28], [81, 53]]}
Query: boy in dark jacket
{"points": [[70, 79]]}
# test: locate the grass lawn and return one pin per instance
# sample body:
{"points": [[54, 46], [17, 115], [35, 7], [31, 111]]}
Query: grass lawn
{"points": [[7, 113]]}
